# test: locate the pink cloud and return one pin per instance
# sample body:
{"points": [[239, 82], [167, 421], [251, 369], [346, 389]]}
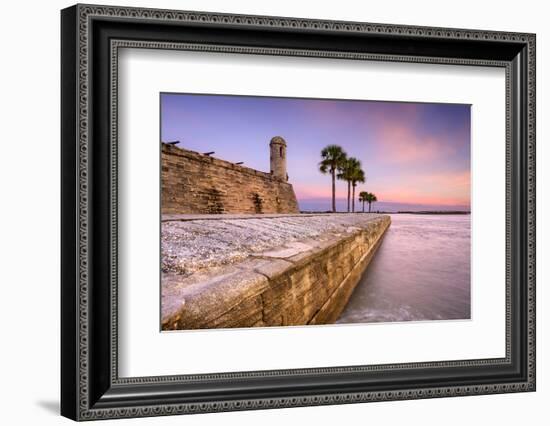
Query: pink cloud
{"points": [[319, 191], [399, 144], [448, 188]]}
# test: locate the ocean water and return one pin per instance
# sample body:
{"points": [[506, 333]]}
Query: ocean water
{"points": [[420, 272], [324, 205]]}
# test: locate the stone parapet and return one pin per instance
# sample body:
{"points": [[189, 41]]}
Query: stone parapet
{"points": [[193, 183]]}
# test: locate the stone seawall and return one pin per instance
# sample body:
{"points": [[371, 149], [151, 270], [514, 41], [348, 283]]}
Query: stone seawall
{"points": [[193, 183], [268, 271]]}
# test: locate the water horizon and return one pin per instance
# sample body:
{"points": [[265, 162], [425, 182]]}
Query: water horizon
{"points": [[325, 205]]}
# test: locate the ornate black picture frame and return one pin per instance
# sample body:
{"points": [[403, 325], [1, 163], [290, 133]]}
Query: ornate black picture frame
{"points": [[91, 36]]}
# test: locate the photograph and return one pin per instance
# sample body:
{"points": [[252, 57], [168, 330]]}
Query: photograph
{"points": [[279, 211], [263, 209]]}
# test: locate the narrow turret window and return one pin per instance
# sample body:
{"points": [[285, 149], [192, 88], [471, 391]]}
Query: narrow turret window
{"points": [[281, 151]]}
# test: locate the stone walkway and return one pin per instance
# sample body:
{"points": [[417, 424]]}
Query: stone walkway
{"points": [[225, 271], [192, 243]]}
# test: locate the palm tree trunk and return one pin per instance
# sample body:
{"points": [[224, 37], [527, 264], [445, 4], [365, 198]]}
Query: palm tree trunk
{"points": [[349, 184], [333, 191], [369, 206], [353, 200], [363, 206]]}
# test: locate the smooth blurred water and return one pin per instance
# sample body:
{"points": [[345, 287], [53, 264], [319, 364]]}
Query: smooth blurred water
{"points": [[420, 272], [324, 205]]}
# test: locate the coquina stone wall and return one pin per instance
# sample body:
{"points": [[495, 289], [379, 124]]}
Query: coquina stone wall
{"points": [[193, 183], [305, 282]]}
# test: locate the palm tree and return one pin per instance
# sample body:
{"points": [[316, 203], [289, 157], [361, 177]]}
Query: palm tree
{"points": [[347, 171], [333, 157], [358, 176], [371, 198], [363, 198]]}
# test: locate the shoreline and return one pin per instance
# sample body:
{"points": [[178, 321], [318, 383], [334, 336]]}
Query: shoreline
{"points": [[434, 212]]}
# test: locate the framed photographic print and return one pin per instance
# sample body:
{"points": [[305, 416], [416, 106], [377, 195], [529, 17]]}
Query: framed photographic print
{"points": [[263, 212]]}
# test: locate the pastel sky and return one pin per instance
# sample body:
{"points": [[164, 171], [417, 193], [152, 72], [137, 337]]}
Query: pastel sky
{"points": [[412, 153]]}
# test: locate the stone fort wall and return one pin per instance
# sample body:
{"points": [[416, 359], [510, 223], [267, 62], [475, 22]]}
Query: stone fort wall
{"points": [[193, 183], [310, 283]]}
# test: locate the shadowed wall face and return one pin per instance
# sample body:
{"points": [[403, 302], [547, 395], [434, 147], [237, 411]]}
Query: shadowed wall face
{"points": [[193, 183]]}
